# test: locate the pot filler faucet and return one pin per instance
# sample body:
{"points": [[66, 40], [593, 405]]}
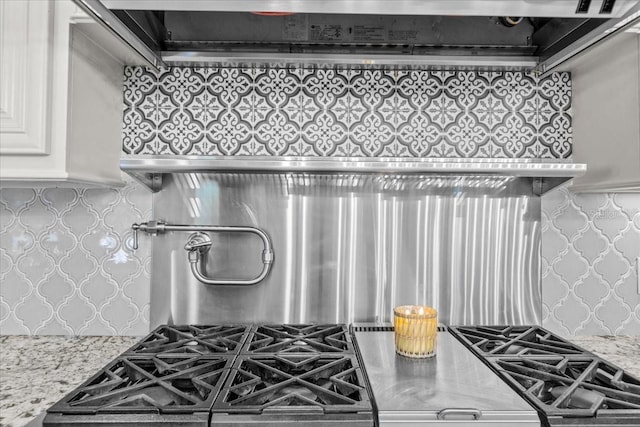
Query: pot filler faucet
{"points": [[199, 244]]}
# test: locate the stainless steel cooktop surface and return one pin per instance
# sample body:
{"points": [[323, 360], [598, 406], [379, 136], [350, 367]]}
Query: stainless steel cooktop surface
{"points": [[452, 386]]}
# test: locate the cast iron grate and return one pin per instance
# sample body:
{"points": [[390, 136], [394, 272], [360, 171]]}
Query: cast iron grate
{"points": [[192, 339], [182, 375], [158, 384], [572, 386], [283, 339], [304, 383], [491, 341]]}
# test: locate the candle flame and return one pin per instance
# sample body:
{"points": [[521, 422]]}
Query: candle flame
{"points": [[415, 330]]}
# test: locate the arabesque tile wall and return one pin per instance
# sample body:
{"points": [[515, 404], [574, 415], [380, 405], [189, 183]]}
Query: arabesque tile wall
{"points": [[66, 263], [590, 247]]}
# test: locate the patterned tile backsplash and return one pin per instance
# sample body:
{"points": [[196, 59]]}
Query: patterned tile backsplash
{"points": [[301, 112], [66, 262], [590, 244]]}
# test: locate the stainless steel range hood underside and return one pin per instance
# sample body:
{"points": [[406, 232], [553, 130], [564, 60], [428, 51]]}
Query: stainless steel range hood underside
{"points": [[534, 176], [370, 33]]}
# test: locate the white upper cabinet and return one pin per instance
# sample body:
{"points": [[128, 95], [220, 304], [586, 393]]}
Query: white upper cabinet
{"points": [[60, 97], [25, 76], [606, 114]]}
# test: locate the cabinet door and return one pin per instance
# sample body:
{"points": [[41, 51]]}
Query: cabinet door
{"points": [[25, 73], [61, 96]]}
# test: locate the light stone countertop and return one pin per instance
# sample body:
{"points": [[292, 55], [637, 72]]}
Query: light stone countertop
{"points": [[37, 371]]}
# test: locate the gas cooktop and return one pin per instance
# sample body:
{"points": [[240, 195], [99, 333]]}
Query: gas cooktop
{"points": [[226, 375], [194, 375], [565, 383]]}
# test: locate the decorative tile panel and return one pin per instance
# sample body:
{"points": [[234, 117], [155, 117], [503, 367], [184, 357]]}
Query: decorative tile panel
{"points": [[590, 244], [66, 262], [326, 112]]}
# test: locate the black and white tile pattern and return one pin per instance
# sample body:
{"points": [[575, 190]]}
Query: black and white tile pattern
{"points": [[324, 112]]}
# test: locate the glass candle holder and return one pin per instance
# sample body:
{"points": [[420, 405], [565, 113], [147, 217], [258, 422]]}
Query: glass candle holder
{"points": [[416, 328]]}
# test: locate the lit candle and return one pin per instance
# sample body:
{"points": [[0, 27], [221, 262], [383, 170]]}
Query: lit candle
{"points": [[415, 330]]}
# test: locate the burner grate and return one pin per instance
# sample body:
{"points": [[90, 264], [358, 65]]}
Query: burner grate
{"points": [[158, 384], [514, 340], [283, 339], [192, 339], [312, 383], [195, 375], [569, 385]]}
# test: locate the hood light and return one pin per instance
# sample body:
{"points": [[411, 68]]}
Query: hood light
{"points": [[273, 13]]}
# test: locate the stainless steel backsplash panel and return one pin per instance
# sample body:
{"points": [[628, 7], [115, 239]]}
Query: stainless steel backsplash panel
{"points": [[350, 247]]}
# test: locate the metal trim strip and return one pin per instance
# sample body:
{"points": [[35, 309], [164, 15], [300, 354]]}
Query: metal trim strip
{"points": [[608, 28], [191, 58], [108, 20], [490, 166], [544, 8]]}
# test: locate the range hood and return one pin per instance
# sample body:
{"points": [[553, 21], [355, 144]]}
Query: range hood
{"points": [[536, 176], [518, 34]]}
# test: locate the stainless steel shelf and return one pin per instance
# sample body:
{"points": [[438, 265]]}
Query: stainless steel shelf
{"points": [[546, 174], [239, 59]]}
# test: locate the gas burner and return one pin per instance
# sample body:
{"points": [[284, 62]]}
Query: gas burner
{"points": [[566, 384], [572, 386], [299, 339], [310, 383], [158, 384], [192, 339], [513, 340], [210, 375]]}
